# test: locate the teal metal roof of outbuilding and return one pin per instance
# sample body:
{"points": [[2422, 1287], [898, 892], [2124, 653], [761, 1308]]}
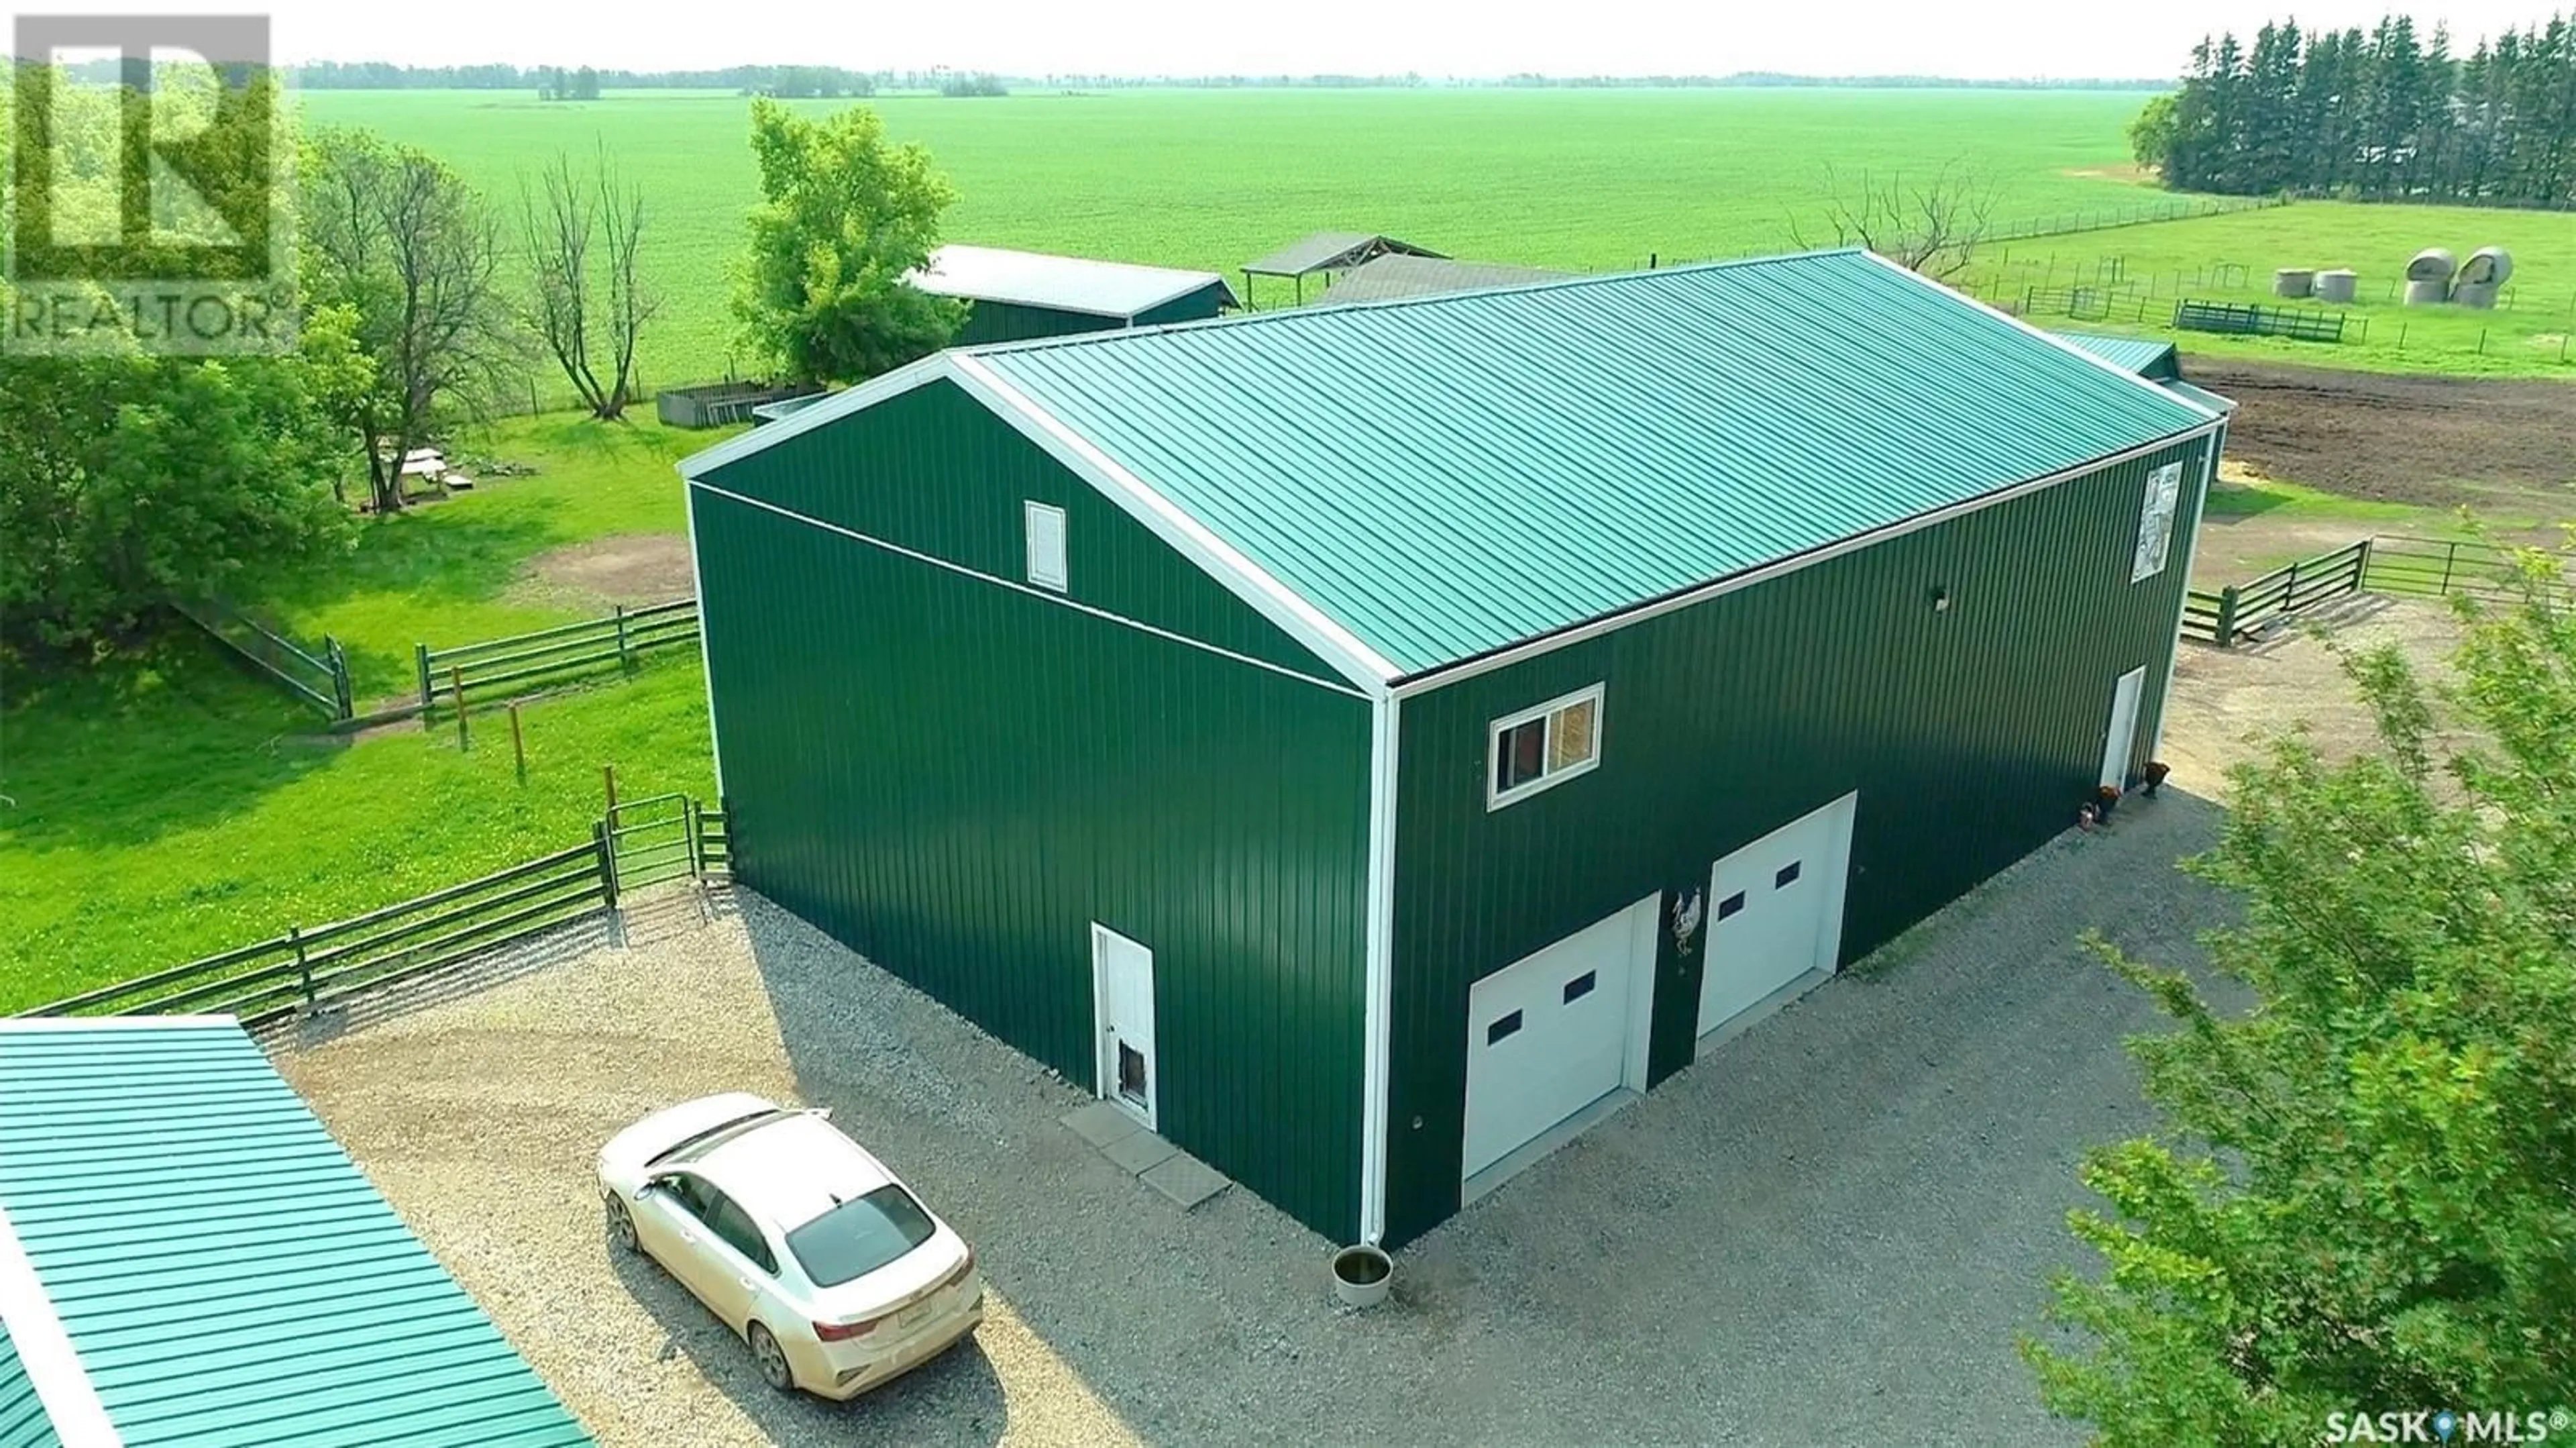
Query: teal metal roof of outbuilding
{"points": [[2148, 357], [1447, 476], [222, 1271], [23, 1423]]}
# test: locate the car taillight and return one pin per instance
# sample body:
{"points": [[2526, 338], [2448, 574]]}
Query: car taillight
{"points": [[845, 1331], [953, 1278]]}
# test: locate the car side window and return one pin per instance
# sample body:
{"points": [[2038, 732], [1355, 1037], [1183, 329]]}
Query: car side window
{"points": [[688, 1191], [735, 1226]]}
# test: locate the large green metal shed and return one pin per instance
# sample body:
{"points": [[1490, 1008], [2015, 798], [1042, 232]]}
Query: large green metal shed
{"points": [[1370, 743], [187, 1260], [1012, 296]]}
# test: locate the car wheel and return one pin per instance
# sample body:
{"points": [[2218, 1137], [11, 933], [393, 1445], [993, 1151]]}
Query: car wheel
{"points": [[771, 1359], [621, 1225]]}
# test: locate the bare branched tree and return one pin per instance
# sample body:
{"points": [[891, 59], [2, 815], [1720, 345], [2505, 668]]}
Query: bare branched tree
{"points": [[398, 240], [588, 298], [1933, 227]]}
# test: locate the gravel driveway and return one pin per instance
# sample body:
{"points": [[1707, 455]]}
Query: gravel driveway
{"points": [[1828, 1232]]}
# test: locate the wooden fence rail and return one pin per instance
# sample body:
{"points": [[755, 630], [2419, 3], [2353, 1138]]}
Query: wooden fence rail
{"points": [[308, 967], [520, 661]]}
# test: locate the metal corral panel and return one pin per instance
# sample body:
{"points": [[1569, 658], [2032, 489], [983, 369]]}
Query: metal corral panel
{"points": [[2148, 357], [225, 1274], [23, 1423], [958, 776], [933, 471], [1446, 476], [1971, 734]]}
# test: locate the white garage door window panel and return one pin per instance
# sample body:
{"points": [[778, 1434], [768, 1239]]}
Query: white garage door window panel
{"points": [[1775, 912], [1535, 1056]]}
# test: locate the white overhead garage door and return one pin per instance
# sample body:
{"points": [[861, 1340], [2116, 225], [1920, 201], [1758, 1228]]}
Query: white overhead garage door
{"points": [[1775, 912], [1554, 1033]]}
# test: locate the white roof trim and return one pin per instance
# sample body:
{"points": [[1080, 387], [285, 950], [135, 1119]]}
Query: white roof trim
{"points": [[45, 1350], [35, 1024], [806, 419], [2051, 338], [1301, 620]]}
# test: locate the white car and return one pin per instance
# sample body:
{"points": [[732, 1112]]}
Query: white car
{"points": [[831, 1270]]}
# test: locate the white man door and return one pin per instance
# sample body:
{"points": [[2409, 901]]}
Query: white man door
{"points": [[1122, 985], [2120, 740], [1775, 912]]}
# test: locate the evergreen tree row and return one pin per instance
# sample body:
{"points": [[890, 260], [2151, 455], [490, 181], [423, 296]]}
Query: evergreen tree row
{"points": [[2385, 114]]}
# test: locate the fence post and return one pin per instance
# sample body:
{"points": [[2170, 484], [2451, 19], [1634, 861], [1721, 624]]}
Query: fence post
{"points": [[2361, 567], [342, 690], [456, 676], [625, 660], [607, 848], [697, 852], [2226, 626], [303, 966], [2449, 554], [428, 689]]}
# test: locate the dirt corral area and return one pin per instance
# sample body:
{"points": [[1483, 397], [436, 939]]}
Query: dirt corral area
{"points": [[2436, 440], [633, 569], [2227, 704]]}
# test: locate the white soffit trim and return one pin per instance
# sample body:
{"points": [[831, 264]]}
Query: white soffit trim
{"points": [[1429, 680], [2051, 338], [1301, 620], [1377, 1020], [45, 1351], [2182, 599], [804, 420], [706, 659], [33, 1024]]}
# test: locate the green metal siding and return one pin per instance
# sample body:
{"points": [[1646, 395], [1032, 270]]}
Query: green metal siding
{"points": [[1446, 476], [23, 1423], [226, 1275], [934, 471], [1971, 735], [1198, 306], [956, 779], [989, 321]]}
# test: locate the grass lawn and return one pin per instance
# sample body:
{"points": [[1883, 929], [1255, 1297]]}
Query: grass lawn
{"points": [[454, 572], [167, 807], [1586, 180]]}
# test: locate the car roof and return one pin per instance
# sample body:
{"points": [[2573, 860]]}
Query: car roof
{"points": [[791, 1169]]}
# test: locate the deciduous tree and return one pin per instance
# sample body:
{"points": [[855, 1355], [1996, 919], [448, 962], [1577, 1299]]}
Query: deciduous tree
{"points": [[843, 215], [588, 300], [2366, 1197], [397, 238]]}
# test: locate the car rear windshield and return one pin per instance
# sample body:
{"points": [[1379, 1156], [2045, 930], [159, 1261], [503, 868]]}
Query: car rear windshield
{"points": [[859, 1236]]}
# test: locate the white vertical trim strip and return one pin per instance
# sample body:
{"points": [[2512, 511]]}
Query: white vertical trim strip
{"points": [[45, 1350], [2054, 340], [1377, 1018], [2182, 602], [706, 656], [1303, 622]]}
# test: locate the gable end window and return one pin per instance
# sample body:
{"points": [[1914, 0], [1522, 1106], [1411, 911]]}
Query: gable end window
{"points": [[1548, 745], [2156, 522], [1046, 546]]}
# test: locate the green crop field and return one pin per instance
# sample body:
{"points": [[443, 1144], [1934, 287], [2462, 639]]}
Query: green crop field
{"points": [[1578, 179]]}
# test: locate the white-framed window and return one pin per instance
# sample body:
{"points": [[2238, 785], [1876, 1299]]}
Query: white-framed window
{"points": [[1536, 748], [2156, 522], [1046, 545]]}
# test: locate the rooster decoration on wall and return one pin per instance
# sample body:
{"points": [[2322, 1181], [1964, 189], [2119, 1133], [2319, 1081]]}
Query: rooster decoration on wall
{"points": [[1686, 917]]}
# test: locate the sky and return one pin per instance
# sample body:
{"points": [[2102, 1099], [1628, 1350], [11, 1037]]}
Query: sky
{"points": [[1979, 39]]}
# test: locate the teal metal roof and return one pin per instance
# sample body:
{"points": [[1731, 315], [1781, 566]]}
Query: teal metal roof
{"points": [[2146, 356], [1446, 476], [23, 1423], [224, 1273]]}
